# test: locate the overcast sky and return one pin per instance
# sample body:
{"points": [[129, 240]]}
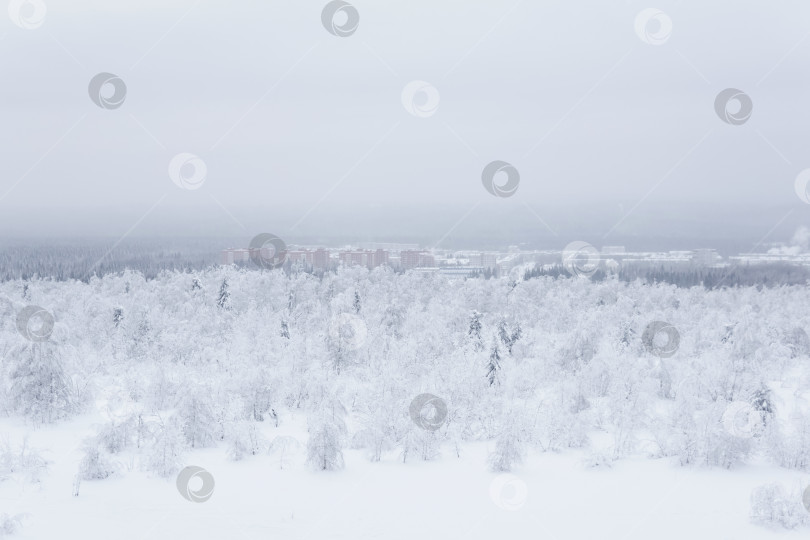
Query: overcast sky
{"points": [[304, 133]]}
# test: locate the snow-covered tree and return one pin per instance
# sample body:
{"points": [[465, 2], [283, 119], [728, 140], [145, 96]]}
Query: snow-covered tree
{"points": [[197, 418], [356, 304], [772, 504], [474, 331], [283, 447], [244, 439], [493, 364], [509, 336], [118, 316], [509, 445], [327, 435], [224, 297], [10, 524], [165, 455], [37, 384], [95, 464]]}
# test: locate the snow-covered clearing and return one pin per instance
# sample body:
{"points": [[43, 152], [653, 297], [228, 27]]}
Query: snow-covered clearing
{"points": [[447, 498]]}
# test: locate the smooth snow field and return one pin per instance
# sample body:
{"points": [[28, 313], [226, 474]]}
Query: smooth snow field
{"points": [[551, 497]]}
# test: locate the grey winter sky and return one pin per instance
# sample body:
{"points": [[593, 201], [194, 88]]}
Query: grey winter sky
{"points": [[304, 134]]}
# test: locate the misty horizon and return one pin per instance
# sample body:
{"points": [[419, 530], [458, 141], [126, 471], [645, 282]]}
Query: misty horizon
{"points": [[449, 226], [302, 134]]}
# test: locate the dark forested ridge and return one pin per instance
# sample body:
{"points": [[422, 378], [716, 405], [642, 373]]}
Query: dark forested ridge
{"points": [[768, 275], [81, 260]]}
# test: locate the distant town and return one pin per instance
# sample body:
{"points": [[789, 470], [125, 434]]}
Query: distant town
{"points": [[774, 264], [471, 263]]}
